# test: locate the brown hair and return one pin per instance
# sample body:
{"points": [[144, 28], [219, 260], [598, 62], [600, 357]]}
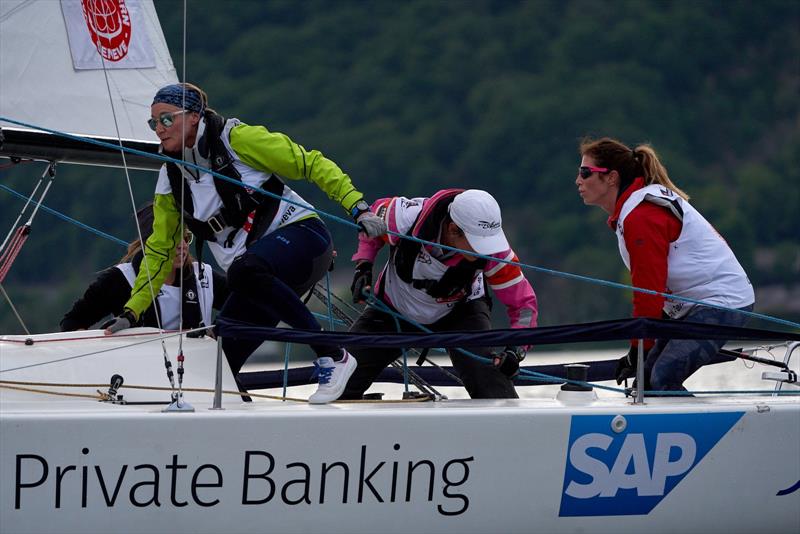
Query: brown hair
{"points": [[630, 163], [135, 246], [203, 96]]}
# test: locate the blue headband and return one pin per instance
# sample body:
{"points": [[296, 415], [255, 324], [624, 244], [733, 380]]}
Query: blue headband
{"points": [[179, 96]]}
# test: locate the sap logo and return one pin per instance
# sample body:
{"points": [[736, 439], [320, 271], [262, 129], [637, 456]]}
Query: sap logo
{"points": [[630, 472], [645, 480]]}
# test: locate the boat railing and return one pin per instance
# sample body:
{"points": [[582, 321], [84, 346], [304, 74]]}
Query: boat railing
{"points": [[781, 378]]}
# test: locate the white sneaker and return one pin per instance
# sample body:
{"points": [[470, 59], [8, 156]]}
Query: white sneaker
{"points": [[333, 377]]}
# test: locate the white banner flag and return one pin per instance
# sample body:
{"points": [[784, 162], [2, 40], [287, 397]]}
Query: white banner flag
{"points": [[107, 31]]}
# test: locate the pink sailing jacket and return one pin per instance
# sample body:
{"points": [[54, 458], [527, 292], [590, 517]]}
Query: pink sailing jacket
{"points": [[412, 279]]}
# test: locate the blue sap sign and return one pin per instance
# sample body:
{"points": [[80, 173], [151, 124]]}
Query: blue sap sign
{"points": [[630, 472]]}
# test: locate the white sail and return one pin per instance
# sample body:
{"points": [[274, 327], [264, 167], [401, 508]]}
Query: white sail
{"points": [[47, 80]]}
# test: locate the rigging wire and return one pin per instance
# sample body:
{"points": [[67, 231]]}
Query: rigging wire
{"points": [[167, 362], [180, 357], [553, 272], [19, 235], [66, 218], [163, 335], [22, 211], [14, 309]]}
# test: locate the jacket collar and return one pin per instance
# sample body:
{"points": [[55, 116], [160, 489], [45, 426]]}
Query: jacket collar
{"points": [[637, 184]]}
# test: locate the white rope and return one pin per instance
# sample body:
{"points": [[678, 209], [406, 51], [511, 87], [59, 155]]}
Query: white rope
{"points": [[161, 337], [13, 309]]}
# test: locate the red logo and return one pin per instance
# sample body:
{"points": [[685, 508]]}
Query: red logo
{"points": [[109, 24]]}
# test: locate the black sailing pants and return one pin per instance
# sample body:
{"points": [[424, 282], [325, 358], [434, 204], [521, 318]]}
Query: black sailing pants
{"points": [[481, 379], [266, 283]]}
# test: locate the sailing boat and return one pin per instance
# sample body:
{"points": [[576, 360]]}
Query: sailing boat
{"points": [[69, 463]]}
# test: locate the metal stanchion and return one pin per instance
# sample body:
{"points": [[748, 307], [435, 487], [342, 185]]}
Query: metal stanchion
{"points": [[218, 380], [639, 398]]}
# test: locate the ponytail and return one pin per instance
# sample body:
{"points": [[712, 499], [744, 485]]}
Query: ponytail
{"points": [[630, 163], [653, 171], [202, 94]]}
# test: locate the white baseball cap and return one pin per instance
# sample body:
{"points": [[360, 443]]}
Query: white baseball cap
{"points": [[477, 213]]}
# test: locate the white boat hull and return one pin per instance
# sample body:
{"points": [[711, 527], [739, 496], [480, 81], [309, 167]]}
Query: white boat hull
{"points": [[671, 465]]}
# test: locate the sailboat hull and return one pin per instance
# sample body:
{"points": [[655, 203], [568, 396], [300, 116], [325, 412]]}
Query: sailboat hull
{"points": [[534, 465]]}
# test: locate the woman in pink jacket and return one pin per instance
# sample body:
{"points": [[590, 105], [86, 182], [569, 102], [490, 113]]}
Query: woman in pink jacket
{"points": [[442, 289]]}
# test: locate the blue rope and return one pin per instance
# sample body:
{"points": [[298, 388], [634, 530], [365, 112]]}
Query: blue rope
{"points": [[524, 374], [333, 320], [534, 376], [352, 224], [67, 218]]}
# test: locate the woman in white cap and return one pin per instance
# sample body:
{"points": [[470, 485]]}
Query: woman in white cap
{"points": [[273, 248], [442, 289]]}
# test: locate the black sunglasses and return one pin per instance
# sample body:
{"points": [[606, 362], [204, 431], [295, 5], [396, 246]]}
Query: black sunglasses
{"points": [[166, 119], [586, 172]]}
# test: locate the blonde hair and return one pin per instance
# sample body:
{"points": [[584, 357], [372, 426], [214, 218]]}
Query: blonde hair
{"points": [[630, 163], [135, 246]]}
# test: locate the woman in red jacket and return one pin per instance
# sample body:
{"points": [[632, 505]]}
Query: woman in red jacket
{"points": [[668, 247]]}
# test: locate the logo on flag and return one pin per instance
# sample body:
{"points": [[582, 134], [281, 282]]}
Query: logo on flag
{"points": [[109, 25], [108, 34]]}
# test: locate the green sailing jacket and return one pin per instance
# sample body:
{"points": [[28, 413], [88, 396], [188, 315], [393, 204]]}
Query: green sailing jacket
{"points": [[262, 150]]}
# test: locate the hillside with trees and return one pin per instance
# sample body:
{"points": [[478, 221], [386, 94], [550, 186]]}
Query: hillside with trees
{"points": [[414, 96]]}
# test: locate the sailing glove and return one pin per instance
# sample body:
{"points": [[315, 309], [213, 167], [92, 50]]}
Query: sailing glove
{"points": [[197, 334], [371, 224], [362, 279], [626, 366], [125, 320], [507, 362]]}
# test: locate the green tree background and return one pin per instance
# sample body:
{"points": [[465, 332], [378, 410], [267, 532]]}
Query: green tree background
{"points": [[410, 97]]}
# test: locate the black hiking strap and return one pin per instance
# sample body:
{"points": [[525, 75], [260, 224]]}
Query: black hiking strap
{"points": [[190, 301], [237, 201]]}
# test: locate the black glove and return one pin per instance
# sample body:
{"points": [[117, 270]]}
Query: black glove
{"points": [[197, 334], [626, 366], [124, 320], [507, 362], [362, 279]]}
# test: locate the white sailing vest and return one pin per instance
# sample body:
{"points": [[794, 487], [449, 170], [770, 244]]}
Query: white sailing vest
{"points": [[417, 304], [207, 202], [170, 313], [700, 264]]}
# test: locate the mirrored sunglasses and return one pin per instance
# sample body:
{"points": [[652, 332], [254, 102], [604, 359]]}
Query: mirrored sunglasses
{"points": [[586, 172], [166, 119]]}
